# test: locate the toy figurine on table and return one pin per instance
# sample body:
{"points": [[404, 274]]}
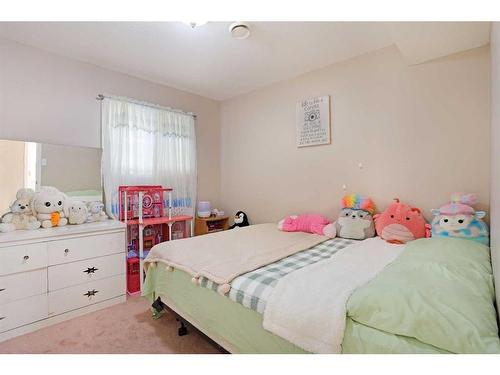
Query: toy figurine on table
{"points": [[240, 220]]}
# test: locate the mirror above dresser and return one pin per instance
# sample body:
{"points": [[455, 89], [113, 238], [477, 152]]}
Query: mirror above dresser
{"points": [[74, 170]]}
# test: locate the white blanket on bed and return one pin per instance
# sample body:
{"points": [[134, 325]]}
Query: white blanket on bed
{"points": [[222, 256], [308, 306]]}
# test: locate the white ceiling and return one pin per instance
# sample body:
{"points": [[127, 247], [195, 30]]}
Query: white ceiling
{"points": [[208, 62]]}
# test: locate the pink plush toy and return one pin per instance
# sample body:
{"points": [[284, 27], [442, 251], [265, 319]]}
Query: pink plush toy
{"points": [[401, 223], [308, 223]]}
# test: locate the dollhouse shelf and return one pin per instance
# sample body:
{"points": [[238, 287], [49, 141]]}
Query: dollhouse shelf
{"points": [[141, 208], [159, 220]]}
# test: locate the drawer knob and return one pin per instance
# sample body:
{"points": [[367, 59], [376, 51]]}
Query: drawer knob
{"points": [[89, 270], [66, 251], [26, 257], [91, 293]]}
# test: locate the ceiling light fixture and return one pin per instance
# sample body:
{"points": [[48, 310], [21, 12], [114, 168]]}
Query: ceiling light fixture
{"points": [[239, 30]]}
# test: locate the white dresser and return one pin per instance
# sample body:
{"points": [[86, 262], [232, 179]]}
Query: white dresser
{"points": [[51, 275]]}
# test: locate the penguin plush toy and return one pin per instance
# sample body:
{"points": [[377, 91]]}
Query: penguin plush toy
{"points": [[240, 220]]}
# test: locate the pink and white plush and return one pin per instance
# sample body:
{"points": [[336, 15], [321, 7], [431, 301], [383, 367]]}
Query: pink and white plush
{"points": [[400, 223], [308, 223], [459, 219]]}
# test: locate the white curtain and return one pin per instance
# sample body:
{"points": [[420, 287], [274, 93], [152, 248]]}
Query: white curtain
{"points": [[145, 145]]}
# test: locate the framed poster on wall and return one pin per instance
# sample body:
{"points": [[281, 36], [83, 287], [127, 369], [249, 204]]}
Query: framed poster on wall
{"points": [[313, 121]]}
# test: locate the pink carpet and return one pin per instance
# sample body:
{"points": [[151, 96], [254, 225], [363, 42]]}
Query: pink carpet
{"points": [[123, 328]]}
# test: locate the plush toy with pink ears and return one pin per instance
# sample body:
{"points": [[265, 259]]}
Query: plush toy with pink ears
{"points": [[308, 223]]}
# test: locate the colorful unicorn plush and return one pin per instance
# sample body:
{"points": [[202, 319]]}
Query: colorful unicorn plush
{"points": [[459, 219], [401, 223], [355, 220]]}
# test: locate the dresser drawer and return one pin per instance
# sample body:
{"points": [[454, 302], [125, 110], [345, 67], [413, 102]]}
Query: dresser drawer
{"points": [[22, 285], [63, 300], [24, 311], [71, 250], [65, 275], [23, 258]]}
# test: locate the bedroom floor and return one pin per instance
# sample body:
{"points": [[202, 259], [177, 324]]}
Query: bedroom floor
{"points": [[123, 328]]}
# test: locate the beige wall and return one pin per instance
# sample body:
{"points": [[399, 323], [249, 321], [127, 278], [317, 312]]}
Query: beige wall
{"points": [[70, 168], [51, 99], [421, 132], [495, 155], [11, 172]]}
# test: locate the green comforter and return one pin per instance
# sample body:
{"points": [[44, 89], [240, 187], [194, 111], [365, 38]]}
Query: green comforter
{"points": [[439, 291]]}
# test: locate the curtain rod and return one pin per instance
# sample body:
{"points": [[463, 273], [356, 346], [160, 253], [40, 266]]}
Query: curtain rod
{"points": [[135, 101]]}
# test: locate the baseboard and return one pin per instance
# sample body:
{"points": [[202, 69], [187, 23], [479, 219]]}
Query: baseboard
{"points": [[60, 318]]}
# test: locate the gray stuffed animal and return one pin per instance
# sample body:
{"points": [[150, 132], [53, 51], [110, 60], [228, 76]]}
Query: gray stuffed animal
{"points": [[355, 224], [355, 220]]}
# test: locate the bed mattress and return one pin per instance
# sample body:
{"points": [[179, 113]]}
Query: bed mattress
{"points": [[437, 297], [239, 329]]}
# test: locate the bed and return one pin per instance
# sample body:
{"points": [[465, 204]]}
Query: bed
{"points": [[437, 296]]}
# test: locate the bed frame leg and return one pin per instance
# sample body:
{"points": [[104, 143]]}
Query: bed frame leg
{"points": [[157, 305], [157, 309], [182, 331]]}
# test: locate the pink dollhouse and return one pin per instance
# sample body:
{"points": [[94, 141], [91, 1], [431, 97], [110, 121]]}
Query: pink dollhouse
{"points": [[152, 201], [149, 220]]}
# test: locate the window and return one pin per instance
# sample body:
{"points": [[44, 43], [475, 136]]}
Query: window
{"points": [[148, 145]]}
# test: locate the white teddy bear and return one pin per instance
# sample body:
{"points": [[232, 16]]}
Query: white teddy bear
{"points": [[96, 212], [48, 206], [77, 212], [21, 214]]}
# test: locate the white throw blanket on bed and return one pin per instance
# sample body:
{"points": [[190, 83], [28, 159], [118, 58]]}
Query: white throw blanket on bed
{"points": [[222, 256], [308, 306]]}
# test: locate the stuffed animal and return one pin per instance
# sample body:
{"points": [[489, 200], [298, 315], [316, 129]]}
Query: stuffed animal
{"points": [[77, 212], [96, 212], [308, 223], [21, 213], [240, 220], [459, 219], [48, 206], [401, 223], [355, 220]]}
